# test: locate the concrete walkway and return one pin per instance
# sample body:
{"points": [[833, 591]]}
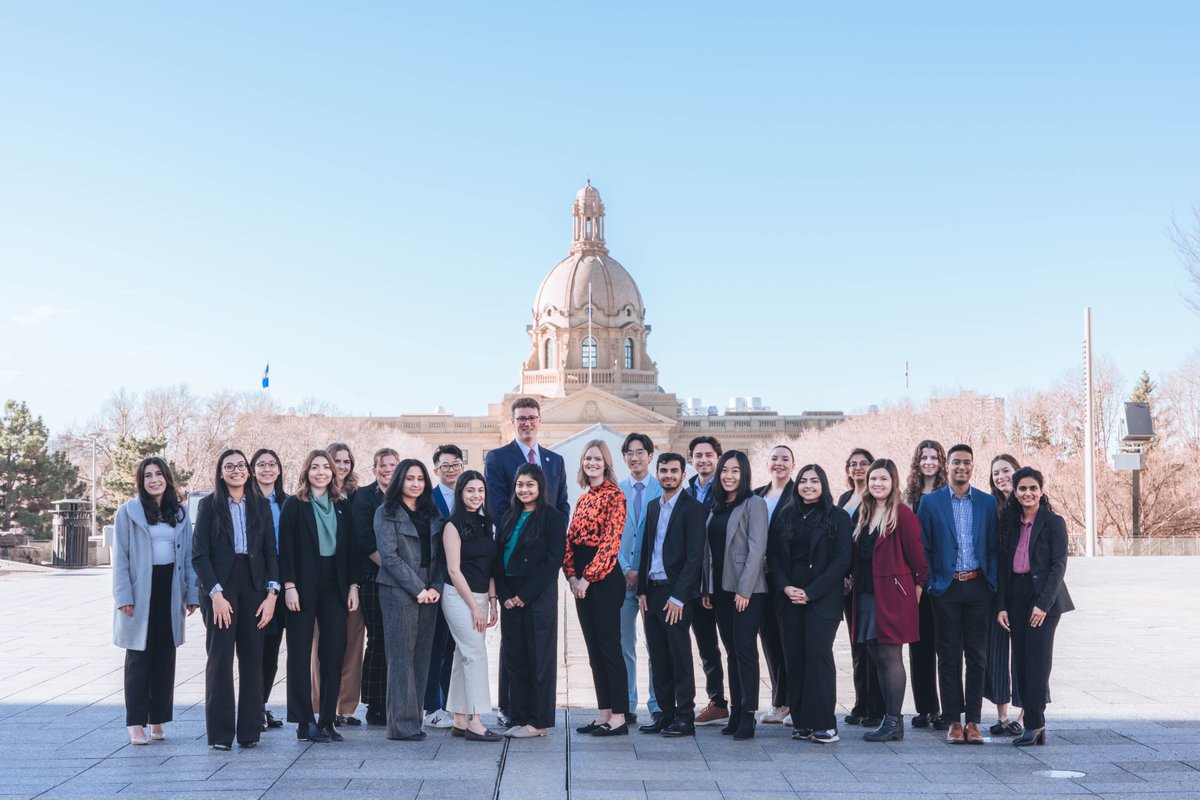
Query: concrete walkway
{"points": [[1125, 717]]}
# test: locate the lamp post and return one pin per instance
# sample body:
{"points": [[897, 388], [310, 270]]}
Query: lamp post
{"points": [[94, 438]]}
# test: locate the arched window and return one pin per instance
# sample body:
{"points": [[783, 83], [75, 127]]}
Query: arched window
{"points": [[589, 353], [629, 354], [550, 354]]}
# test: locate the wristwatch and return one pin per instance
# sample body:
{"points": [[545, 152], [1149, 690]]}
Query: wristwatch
{"points": [[273, 592]]}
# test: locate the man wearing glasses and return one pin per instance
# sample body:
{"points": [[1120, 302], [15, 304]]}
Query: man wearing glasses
{"points": [[500, 469], [958, 527], [640, 488], [448, 464]]}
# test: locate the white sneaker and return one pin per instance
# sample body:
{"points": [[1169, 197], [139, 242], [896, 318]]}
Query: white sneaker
{"points": [[787, 720], [774, 716], [826, 737], [439, 719]]}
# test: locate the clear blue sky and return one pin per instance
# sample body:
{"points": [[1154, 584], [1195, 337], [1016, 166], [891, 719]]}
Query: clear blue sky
{"points": [[809, 195]]}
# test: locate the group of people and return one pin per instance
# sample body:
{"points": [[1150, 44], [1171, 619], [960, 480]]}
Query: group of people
{"points": [[388, 590]]}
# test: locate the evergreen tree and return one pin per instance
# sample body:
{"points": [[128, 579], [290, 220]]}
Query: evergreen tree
{"points": [[1144, 390], [31, 477]]}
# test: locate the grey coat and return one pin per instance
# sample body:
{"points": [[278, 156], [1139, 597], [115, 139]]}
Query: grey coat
{"points": [[744, 568], [400, 552], [132, 566]]}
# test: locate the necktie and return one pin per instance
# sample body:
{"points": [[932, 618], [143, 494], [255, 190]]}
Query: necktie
{"points": [[637, 502], [532, 457]]}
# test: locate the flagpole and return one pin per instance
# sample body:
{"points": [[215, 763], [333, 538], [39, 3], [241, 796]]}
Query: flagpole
{"points": [[592, 357]]}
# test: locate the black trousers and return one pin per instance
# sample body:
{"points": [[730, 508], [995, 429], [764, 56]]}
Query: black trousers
{"points": [[329, 611], [1032, 651], [704, 628], [529, 654], [772, 646], [600, 620], [272, 641], [150, 673], [868, 694], [962, 618], [244, 639], [441, 662], [922, 661], [374, 669], [811, 673], [670, 651], [739, 632]]}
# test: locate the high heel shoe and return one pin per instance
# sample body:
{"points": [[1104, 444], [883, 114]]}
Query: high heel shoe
{"points": [[1031, 736]]}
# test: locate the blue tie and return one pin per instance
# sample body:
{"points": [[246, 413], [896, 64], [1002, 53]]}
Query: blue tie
{"points": [[638, 488]]}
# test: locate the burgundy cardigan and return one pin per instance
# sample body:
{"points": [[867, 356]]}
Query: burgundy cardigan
{"points": [[897, 568]]}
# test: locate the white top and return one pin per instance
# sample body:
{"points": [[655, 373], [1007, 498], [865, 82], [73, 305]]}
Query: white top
{"points": [[162, 541], [771, 503]]}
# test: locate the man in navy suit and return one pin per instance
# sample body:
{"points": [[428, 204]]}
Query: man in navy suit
{"points": [[958, 527], [500, 466], [500, 469], [448, 465]]}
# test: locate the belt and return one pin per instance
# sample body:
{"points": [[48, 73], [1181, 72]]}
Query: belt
{"points": [[966, 576], [656, 583]]}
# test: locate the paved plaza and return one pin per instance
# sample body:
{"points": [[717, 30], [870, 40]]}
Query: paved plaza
{"points": [[1125, 720]]}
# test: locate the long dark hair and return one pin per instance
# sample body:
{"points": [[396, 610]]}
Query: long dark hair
{"points": [[1010, 517], [169, 510], [220, 496], [470, 524], [279, 492], [425, 509], [858, 451], [720, 503], [532, 531], [791, 516]]}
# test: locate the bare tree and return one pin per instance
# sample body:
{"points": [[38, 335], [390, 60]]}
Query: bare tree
{"points": [[1186, 239]]}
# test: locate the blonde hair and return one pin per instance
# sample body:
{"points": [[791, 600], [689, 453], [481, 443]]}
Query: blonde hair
{"points": [[609, 473], [304, 488], [866, 511]]}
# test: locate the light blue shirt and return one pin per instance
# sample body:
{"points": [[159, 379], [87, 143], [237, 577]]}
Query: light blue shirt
{"points": [[700, 490], [447, 495], [630, 554], [964, 518], [657, 571], [275, 517], [241, 545]]}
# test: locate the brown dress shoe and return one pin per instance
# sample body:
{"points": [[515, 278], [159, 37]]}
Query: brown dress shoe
{"points": [[972, 734], [955, 734], [712, 715]]}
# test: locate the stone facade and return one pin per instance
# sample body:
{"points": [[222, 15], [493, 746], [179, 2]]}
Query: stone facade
{"points": [[589, 366]]}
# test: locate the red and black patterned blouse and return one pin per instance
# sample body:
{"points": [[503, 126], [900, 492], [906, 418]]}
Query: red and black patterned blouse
{"points": [[598, 522]]}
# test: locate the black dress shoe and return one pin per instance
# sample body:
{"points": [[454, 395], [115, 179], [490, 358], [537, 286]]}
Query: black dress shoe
{"points": [[1006, 728], [332, 732], [503, 720], [656, 725], [309, 732], [419, 736], [1031, 737], [746, 728], [940, 723], [247, 745], [222, 747], [679, 728], [340, 720], [922, 720], [271, 721], [486, 736], [376, 717], [852, 719], [631, 718], [871, 722], [608, 730], [591, 726]]}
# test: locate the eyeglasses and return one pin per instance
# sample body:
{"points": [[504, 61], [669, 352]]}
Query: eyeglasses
{"points": [[238, 467], [859, 464], [453, 466], [527, 420], [266, 465], [639, 453]]}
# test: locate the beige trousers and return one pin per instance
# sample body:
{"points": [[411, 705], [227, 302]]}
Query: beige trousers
{"points": [[351, 665], [469, 690]]}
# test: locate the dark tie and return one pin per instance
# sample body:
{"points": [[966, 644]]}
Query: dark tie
{"points": [[638, 488], [532, 457]]}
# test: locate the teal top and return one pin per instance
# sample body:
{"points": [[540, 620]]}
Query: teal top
{"points": [[516, 536], [326, 516]]}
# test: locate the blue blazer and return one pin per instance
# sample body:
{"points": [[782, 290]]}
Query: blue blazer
{"points": [[941, 544], [440, 502], [500, 467], [629, 557]]}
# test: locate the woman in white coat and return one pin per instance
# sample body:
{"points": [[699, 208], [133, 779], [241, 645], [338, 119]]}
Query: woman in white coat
{"points": [[154, 589]]}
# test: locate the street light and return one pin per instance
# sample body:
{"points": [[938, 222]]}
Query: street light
{"points": [[94, 437]]}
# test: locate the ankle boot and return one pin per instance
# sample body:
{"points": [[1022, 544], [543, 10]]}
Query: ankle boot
{"points": [[746, 728], [890, 730], [733, 723]]}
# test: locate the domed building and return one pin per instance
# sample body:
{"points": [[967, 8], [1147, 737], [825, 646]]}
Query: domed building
{"points": [[591, 371]]}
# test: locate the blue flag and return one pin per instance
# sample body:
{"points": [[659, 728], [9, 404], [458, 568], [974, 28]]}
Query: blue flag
{"points": [[267, 375]]}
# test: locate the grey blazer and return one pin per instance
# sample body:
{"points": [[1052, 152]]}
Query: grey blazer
{"points": [[744, 569], [133, 564], [399, 547]]}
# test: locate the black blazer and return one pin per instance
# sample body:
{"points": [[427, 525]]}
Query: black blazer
{"points": [[829, 555], [1047, 564], [500, 470], [300, 555], [534, 565], [362, 518], [683, 546], [212, 548]]}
